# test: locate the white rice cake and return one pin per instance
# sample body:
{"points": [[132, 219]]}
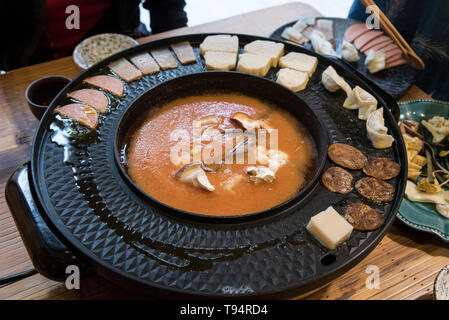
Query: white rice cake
{"points": [[145, 63], [271, 49], [294, 35], [300, 62], [216, 60], [222, 43], [164, 58], [292, 79], [184, 52], [254, 64], [329, 228], [125, 70]]}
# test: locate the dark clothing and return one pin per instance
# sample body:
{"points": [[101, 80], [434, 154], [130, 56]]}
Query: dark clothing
{"points": [[424, 25], [22, 25]]}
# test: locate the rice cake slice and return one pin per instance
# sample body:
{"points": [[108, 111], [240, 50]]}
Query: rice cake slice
{"points": [[164, 58], [216, 60], [184, 52], [300, 62], [145, 63], [125, 70], [292, 79], [272, 49], [254, 64], [222, 43]]}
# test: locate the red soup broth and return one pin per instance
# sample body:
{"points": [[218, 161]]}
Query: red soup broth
{"points": [[150, 167]]}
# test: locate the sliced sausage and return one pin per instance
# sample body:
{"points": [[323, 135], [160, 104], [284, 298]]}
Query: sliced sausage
{"points": [[366, 38], [381, 41], [363, 218], [347, 156], [338, 180], [355, 31], [398, 61], [375, 190], [82, 113], [382, 168], [93, 98], [107, 83]]}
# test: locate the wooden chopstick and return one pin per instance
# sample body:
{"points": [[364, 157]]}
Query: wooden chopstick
{"points": [[411, 56]]}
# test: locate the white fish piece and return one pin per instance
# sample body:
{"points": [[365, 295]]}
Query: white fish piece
{"points": [[375, 61], [260, 174], [377, 132], [349, 52], [333, 82], [321, 45]]}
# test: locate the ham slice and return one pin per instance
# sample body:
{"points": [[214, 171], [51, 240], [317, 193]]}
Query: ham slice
{"points": [[145, 63], [393, 53], [391, 47], [366, 38], [82, 113], [355, 31], [107, 83], [398, 61], [381, 41], [184, 52], [91, 97]]}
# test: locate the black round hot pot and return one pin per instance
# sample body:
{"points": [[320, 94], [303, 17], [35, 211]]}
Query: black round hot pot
{"points": [[74, 203]]}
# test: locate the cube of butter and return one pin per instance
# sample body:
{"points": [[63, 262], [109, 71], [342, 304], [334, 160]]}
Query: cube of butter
{"points": [[329, 228]]}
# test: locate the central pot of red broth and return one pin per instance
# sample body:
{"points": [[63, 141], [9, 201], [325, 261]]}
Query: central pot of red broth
{"points": [[150, 140]]}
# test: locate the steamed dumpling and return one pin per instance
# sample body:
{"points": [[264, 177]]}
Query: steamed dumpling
{"points": [[377, 132], [349, 52], [321, 45], [333, 82], [375, 61], [362, 100]]}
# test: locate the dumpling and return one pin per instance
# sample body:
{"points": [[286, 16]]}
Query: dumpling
{"points": [[375, 61], [333, 82], [362, 100], [377, 132], [321, 45], [349, 52]]}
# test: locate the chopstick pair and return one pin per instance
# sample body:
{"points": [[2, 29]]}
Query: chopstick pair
{"points": [[410, 55]]}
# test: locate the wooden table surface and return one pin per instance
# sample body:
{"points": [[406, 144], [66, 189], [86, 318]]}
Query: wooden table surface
{"points": [[408, 261]]}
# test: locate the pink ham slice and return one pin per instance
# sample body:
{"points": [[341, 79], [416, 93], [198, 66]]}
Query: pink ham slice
{"points": [[82, 113], [93, 98], [395, 62], [393, 53], [355, 31], [382, 41], [366, 38], [107, 83], [391, 47]]}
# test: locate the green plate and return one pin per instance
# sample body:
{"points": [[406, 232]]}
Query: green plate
{"points": [[422, 216]]}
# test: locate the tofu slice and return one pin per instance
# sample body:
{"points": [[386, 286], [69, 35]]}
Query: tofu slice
{"points": [[164, 58], [125, 70], [145, 63], [254, 64], [216, 60], [222, 43], [292, 79], [184, 52], [329, 228], [270, 49], [300, 62]]}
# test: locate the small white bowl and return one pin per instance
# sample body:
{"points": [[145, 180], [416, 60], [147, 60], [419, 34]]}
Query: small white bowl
{"points": [[441, 285], [96, 48]]}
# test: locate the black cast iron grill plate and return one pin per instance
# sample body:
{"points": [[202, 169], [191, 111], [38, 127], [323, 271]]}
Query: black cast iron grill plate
{"points": [[136, 244]]}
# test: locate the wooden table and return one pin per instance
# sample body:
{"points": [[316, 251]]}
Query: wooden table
{"points": [[408, 261]]}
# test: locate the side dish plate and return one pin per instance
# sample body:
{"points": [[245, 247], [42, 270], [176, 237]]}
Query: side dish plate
{"points": [[396, 81]]}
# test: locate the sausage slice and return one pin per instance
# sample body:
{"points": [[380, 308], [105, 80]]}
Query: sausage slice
{"points": [[347, 156], [93, 98], [382, 168], [107, 83], [362, 217], [338, 180], [82, 113], [375, 190]]}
